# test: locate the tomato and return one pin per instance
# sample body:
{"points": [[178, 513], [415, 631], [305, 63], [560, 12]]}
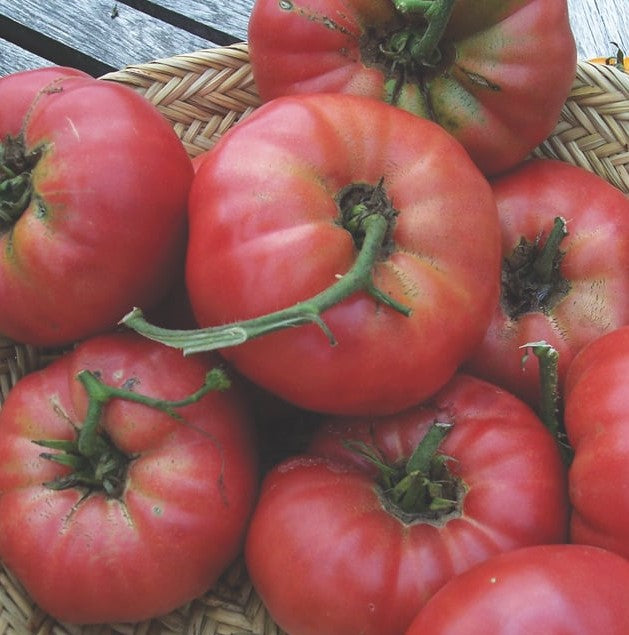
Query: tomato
{"points": [[95, 166], [596, 419], [566, 294], [278, 214], [19, 90], [479, 69], [573, 589], [331, 550], [169, 510]]}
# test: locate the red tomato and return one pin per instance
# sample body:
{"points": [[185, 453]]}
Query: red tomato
{"points": [[596, 418], [550, 589], [271, 224], [19, 90], [480, 69], [164, 520], [579, 293], [330, 551], [94, 221]]}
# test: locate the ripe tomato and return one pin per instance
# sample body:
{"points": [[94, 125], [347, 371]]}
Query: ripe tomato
{"points": [[480, 69], [277, 215], [573, 589], [596, 418], [566, 294], [169, 510], [93, 198], [334, 549]]}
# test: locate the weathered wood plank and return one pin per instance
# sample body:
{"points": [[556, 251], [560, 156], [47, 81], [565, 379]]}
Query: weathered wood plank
{"points": [[596, 23], [225, 16], [111, 33], [17, 58]]}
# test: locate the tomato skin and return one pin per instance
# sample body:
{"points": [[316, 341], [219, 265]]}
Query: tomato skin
{"points": [[265, 234], [596, 418], [20, 89], [348, 565], [493, 88], [571, 589], [595, 264], [111, 167], [189, 489]]}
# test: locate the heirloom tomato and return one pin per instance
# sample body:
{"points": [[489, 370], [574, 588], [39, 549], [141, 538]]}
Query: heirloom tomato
{"points": [[356, 535], [93, 198], [565, 273], [550, 589], [596, 418], [121, 496], [479, 69], [372, 228]]}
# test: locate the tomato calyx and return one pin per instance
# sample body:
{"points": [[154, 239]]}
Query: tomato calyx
{"points": [[531, 276], [94, 461], [368, 215], [412, 48], [356, 203], [421, 489], [15, 179]]}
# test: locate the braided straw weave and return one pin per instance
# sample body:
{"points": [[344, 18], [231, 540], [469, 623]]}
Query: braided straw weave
{"points": [[203, 94]]}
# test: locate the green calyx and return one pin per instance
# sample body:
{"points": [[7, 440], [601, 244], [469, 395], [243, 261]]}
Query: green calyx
{"points": [[413, 47], [15, 179], [94, 461], [531, 275], [422, 488], [368, 215]]}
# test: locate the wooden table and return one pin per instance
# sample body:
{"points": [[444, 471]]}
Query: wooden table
{"points": [[103, 35]]}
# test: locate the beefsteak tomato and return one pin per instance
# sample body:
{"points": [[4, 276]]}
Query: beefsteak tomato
{"points": [[380, 215], [480, 69], [93, 201], [571, 589], [565, 274], [135, 505], [340, 547], [596, 418]]}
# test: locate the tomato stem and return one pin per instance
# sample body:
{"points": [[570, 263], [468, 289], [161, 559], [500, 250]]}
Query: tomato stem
{"points": [[436, 14], [531, 275], [546, 262], [374, 228], [94, 460], [548, 358], [422, 487]]}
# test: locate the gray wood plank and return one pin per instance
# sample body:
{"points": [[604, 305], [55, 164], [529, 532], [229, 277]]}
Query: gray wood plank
{"points": [[230, 17], [596, 23], [18, 59], [89, 26]]}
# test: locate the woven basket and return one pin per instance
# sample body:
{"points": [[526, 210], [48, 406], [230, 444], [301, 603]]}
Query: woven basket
{"points": [[203, 94]]}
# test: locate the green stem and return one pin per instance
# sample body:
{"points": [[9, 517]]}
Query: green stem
{"points": [[423, 485], [359, 277], [416, 490], [437, 14], [548, 360], [93, 459], [546, 262]]}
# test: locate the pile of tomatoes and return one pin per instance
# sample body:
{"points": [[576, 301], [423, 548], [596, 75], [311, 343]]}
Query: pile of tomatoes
{"points": [[363, 340]]}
